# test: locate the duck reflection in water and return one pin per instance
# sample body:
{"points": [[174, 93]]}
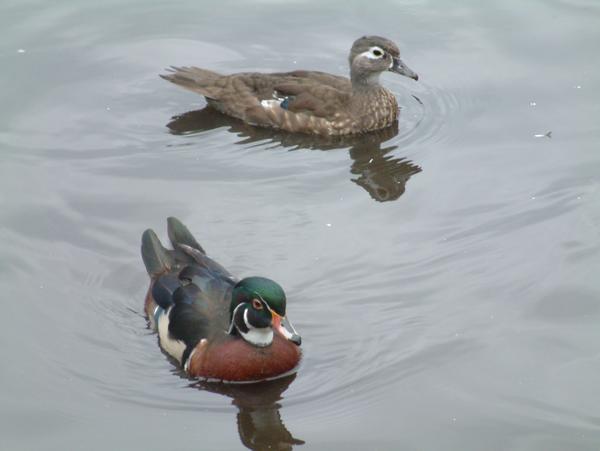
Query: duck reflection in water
{"points": [[382, 175], [259, 422]]}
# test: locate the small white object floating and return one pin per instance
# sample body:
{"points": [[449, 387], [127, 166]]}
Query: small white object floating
{"points": [[21, 51], [545, 135]]}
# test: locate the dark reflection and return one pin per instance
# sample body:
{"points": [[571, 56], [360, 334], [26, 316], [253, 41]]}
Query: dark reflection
{"points": [[383, 176], [259, 422]]}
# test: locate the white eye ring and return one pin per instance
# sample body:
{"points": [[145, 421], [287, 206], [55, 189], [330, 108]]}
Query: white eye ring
{"points": [[375, 53]]}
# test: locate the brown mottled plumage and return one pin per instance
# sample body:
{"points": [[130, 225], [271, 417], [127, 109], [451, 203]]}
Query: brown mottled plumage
{"points": [[307, 101]]}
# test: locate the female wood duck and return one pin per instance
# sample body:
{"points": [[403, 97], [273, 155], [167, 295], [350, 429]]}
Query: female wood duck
{"points": [[216, 327], [307, 101]]}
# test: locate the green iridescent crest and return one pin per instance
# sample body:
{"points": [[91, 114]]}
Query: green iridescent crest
{"points": [[252, 287]]}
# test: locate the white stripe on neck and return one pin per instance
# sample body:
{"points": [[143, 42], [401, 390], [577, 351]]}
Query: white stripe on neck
{"points": [[258, 336]]}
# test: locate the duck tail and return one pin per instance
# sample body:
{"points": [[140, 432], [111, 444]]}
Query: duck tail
{"points": [[180, 235], [156, 258], [195, 79]]}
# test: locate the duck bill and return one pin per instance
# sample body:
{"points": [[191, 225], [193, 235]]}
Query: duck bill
{"points": [[282, 325], [398, 67]]}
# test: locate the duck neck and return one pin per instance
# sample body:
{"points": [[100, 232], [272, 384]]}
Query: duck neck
{"points": [[365, 82]]}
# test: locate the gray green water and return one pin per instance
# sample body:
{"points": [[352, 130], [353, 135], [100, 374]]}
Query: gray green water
{"points": [[444, 278]]}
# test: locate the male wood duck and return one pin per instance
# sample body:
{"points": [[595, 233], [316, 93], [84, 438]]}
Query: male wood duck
{"points": [[307, 101], [216, 327]]}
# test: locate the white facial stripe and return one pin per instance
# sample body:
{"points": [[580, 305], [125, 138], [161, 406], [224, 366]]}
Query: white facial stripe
{"points": [[248, 325], [258, 336], [371, 55], [273, 312], [232, 325]]}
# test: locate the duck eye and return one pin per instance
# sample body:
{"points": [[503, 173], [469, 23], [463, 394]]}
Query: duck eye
{"points": [[257, 304], [377, 52]]}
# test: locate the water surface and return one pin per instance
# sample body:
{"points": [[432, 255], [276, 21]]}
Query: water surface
{"points": [[444, 275]]}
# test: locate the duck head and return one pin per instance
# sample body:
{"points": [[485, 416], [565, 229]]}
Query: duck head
{"points": [[258, 311], [372, 55]]}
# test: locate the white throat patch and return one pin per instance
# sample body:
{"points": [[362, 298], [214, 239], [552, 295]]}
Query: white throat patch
{"points": [[258, 336]]}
